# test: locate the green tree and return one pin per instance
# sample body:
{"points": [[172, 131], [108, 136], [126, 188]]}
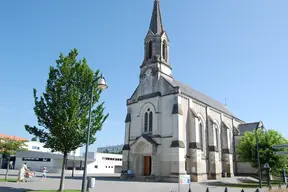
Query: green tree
{"points": [[106, 151], [9, 147], [62, 110], [34, 139], [246, 149]]}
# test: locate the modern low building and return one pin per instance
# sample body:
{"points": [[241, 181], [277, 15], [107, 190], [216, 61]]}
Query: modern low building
{"points": [[37, 157], [39, 147], [105, 163], [36, 160]]}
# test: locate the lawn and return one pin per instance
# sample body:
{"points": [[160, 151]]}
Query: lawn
{"points": [[246, 184], [8, 180]]}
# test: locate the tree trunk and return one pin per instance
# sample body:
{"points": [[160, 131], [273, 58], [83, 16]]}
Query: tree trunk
{"points": [[7, 170], [61, 188]]}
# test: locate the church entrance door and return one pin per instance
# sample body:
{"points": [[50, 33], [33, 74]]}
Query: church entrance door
{"points": [[147, 165]]}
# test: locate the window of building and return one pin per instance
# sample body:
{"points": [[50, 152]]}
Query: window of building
{"points": [[148, 121], [96, 166], [200, 126], [35, 147], [150, 50], [228, 139], [216, 135], [164, 50], [106, 166]]}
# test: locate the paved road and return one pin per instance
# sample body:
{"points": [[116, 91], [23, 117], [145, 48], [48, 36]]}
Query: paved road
{"points": [[107, 184]]}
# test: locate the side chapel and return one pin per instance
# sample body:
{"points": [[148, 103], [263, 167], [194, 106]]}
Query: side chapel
{"points": [[170, 128]]}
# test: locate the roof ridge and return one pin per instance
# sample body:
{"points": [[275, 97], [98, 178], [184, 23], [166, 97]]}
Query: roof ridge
{"points": [[249, 123]]}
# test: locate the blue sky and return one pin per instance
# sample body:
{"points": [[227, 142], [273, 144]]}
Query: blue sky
{"points": [[225, 49]]}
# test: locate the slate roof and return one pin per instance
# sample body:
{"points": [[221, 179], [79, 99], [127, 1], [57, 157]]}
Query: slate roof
{"points": [[200, 97], [247, 127]]}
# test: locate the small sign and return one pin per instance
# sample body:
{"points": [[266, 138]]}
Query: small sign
{"points": [[281, 153], [266, 166], [280, 146], [184, 179], [35, 159]]}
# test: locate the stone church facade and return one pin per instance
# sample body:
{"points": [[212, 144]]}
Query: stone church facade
{"points": [[170, 128]]}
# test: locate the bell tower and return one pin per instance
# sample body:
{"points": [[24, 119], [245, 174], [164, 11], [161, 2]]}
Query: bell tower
{"points": [[156, 47]]}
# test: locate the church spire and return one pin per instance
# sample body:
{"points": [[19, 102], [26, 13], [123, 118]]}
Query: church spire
{"points": [[156, 20], [156, 46]]}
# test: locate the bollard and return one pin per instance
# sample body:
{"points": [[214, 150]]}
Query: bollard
{"points": [[91, 183], [257, 190], [207, 190], [242, 190], [270, 187], [226, 189]]}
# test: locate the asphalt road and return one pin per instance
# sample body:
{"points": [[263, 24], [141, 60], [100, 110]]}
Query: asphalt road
{"points": [[109, 183]]}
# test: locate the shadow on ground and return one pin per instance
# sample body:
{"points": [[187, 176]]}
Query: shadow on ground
{"points": [[11, 189], [225, 184], [106, 178], [10, 174]]}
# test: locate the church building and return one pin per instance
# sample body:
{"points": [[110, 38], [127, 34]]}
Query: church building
{"points": [[170, 128]]}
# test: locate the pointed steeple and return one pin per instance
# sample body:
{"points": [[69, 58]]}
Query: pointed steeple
{"points": [[156, 20]]}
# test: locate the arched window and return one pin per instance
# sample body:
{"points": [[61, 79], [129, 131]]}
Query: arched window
{"points": [[164, 50], [228, 139], [216, 135], [150, 121], [200, 126], [146, 122], [150, 50]]}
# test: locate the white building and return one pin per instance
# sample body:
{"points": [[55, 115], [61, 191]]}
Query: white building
{"points": [[52, 161], [170, 128], [105, 163], [37, 157], [37, 146]]}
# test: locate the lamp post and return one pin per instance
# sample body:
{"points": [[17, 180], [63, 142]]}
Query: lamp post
{"points": [[101, 84], [258, 158]]}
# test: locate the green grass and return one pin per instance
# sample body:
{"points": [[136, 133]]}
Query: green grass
{"points": [[8, 180], [246, 184]]}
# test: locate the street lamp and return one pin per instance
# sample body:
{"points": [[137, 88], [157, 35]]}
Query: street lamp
{"points": [[101, 84], [258, 158]]}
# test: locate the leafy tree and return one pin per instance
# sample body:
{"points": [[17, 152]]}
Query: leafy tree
{"points": [[62, 111], [34, 139], [246, 149], [9, 147], [106, 151]]}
